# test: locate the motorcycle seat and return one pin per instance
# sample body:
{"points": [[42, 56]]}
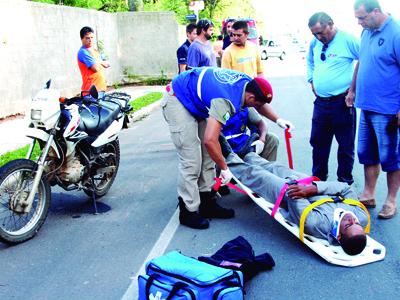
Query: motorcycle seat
{"points": [[97, 117]]}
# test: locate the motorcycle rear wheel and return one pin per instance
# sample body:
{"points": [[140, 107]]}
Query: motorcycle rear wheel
{"points": [[16, 179], [103, 182]]}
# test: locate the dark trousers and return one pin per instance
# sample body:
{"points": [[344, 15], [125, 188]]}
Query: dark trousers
{"points": [[332, 118]]}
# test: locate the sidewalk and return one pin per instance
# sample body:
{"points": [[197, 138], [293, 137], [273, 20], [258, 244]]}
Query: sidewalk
{"points": [[12, 130]]}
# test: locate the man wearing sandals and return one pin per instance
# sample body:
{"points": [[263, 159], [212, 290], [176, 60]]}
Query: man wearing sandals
{"points": [[377, 93]]}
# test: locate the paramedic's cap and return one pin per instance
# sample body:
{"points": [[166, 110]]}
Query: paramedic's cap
{"points": [[262, 89]]}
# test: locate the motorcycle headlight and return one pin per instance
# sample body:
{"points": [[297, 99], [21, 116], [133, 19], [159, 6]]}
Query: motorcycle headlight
{"points": [[36, 114]]}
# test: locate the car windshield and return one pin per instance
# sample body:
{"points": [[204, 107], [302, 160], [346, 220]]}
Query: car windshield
{"points": [[253, 34]]}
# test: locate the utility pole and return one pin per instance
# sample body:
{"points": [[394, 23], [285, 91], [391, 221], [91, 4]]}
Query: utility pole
{"points": [[196, 6]]}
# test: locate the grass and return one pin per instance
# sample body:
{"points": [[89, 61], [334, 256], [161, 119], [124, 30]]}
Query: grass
{"points": [[145, 100], [137, 104], [19, 153]]}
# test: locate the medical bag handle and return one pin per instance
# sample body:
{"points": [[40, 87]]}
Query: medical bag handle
{"points": [[288, 136]]}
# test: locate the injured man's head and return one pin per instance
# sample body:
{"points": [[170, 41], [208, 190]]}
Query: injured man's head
{"points": [[349, 232]]}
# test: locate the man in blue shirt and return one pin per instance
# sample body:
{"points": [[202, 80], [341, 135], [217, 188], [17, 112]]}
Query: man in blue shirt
{"points": [[377, 91], [182, 51], [330, 66], [201, 52]]}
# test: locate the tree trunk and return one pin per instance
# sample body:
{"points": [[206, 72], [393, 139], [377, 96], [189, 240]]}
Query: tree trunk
{"points": [[135, 5]]}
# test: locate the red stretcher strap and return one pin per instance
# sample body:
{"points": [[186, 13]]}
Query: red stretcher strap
{"points": [[303, 181], [288, 136], [218, 183]]}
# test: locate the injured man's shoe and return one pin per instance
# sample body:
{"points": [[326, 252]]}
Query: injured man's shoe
{"points": [[225, 147]]}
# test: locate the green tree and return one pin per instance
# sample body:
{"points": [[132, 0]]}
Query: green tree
{"points": [[105, 5], [180, 7]]}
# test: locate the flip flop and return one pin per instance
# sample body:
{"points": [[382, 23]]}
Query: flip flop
{"points": [[369, 203]]}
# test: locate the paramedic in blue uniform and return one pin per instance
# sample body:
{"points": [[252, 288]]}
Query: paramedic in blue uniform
{"points": [[330, 68], [197, 104]]}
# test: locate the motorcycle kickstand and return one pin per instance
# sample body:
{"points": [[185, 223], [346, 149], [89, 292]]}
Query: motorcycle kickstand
{"points": [[94, 199], [94, 204]]}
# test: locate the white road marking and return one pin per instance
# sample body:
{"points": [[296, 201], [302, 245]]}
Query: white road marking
{"points": [[157, 250]]}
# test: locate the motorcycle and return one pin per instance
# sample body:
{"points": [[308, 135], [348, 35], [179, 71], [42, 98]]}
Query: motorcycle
{"points": [[79, 150]]}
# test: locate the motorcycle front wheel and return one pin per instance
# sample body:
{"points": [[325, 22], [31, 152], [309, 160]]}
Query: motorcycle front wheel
{"points": [[106, 170], [16, 182]]}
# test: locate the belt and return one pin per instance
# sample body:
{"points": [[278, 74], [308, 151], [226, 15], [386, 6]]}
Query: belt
{"points": [[331, 98]]}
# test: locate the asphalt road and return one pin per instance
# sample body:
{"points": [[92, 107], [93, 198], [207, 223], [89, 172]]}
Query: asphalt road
{"points": [[78, 255]]}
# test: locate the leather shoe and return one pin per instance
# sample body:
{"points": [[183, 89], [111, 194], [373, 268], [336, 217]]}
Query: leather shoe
{"points": [[369, 203], [387, 212]]}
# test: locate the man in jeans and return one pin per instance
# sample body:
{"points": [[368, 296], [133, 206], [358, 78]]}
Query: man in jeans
{"points": [[377, 92], [330, 66]]}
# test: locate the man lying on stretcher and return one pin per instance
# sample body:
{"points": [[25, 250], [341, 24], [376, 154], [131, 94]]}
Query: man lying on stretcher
{"points": [[336, 222]]}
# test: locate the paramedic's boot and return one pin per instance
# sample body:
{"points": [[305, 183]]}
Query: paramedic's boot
{"points": [[209, 207], [191, 219], [224, 190]]}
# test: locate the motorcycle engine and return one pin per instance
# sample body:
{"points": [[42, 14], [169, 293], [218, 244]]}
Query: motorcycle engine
{"points": [[72, 170]]}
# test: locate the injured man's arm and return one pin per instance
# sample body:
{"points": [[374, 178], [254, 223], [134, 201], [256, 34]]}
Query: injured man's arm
{"points": [[336, 222]]}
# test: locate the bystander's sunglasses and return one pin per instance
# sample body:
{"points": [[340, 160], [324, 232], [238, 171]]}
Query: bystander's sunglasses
{"points": [[323, 56]]}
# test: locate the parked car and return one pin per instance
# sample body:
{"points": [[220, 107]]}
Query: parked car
{"points": [[270, 48]]}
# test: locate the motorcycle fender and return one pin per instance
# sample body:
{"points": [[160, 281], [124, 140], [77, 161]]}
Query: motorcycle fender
{"points": [[39, 134], [110, 134]]}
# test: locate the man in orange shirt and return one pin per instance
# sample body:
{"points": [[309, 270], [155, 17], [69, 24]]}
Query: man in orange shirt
{"points": [[91, 63]]}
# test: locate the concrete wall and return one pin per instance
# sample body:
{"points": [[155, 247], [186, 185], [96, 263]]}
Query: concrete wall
{"points": [[40, 42]]}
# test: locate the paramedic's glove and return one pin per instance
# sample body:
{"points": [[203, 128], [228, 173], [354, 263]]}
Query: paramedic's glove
{"points": [[259, 146], [226, 176], [285, 124]]}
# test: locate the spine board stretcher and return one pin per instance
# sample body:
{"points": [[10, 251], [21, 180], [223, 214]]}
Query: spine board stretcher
{"points": [[373, 252]]}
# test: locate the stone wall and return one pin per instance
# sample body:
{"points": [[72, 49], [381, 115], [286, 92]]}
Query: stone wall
{"points": [[40, 42]]}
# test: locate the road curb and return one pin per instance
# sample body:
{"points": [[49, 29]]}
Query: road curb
{"points": [[143, 112]]}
